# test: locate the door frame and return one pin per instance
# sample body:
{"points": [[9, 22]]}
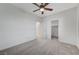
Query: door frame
{"points": [[49, 27]]}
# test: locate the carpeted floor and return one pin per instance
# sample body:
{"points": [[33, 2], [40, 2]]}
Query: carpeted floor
{"points": [[42, 47]]}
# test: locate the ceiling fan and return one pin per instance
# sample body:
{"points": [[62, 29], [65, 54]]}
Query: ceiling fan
{"points": [[42, 7]]}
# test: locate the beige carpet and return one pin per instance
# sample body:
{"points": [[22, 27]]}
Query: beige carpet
{"points": [[42, 47]]}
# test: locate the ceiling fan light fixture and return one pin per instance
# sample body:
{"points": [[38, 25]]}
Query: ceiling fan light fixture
{"points": [[42, 9]]}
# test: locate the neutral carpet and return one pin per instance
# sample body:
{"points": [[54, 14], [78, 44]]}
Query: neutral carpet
{"points": [[42, 47]]}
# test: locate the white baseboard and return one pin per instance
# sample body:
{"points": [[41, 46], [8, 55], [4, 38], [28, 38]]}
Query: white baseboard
{"points": [[67, 42], [77, 46], [16, 44]]}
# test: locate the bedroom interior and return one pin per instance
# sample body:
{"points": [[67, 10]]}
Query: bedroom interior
{"points": [[39, 29]]}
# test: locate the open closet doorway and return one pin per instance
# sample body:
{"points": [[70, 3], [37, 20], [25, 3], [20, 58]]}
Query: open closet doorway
{"points": [[54, 29]]}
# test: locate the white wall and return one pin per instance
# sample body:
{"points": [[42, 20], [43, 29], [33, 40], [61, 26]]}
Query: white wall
{"points": [[67, 25], [16, 26], [78, 26]]}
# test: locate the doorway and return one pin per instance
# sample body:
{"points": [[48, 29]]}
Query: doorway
{"points": [[54, 29]]}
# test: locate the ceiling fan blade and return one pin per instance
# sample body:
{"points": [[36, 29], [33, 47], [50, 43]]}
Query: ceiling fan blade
{"points": [[46, 4], [42, 12], [48, 9], [36, 10], [36, 4]]}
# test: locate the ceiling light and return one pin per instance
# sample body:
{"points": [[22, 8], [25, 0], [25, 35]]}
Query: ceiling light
{"points": [[42, 9]]}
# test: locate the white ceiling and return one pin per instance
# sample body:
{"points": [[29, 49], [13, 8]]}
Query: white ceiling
{"points": [[58, 7]]}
